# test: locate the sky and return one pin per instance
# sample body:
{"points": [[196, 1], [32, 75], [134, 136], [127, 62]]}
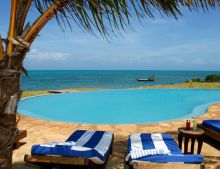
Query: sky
{"points": [[190, 43]]}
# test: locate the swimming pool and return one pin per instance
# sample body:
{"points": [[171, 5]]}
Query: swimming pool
{"points": [[126, 106]]}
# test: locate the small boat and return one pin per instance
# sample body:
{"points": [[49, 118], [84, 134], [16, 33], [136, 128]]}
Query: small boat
{"points": [[149, 79]]}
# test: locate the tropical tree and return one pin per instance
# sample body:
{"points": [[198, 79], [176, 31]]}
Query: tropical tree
{"points": [[93, 16]]}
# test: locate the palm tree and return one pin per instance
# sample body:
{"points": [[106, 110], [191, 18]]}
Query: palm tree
{"points": [[102, 16]]}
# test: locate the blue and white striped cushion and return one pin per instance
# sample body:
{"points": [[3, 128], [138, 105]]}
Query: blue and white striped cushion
{"points": [[157, 148], [94, 145]]}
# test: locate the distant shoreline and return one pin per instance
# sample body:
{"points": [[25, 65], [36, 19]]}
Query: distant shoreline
{"points": [[193, 85], [58, 80]]}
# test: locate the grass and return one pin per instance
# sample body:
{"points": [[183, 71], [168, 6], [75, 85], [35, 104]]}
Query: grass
{"points": [[42, 92], [195, 85], [33, 93]]}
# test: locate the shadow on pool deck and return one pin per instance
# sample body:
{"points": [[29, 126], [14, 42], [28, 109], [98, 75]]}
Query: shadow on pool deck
{"points": [[212, 143]]}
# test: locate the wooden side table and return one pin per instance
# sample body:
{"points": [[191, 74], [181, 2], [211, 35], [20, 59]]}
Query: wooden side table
{"points": [[193, 135]]}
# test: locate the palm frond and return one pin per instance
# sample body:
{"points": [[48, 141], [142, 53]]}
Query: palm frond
{"points": [[105, 15], [12, 31], [23, 8], [23, 70]]}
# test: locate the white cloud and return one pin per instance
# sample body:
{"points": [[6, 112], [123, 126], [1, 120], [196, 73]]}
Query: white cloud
{"points": [[176, 60], [198, 61], [35, 55], [184, 50], [164, 21]]}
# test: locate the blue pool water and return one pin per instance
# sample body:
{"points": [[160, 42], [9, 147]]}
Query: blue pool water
{"points": [[122, 106]]}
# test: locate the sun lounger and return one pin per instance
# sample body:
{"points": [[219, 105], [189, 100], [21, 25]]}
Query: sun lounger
{"points": [[157, 148], [212, 128], [83, 147]]}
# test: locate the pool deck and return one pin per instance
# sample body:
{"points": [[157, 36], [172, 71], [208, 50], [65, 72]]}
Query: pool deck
{"points": [[41, 131]]}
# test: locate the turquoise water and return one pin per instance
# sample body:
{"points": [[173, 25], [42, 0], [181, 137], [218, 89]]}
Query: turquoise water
{"points": [[63, 79], [122, 106]]}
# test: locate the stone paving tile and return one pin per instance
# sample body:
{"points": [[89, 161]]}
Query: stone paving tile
{"points": [[43, 131]]}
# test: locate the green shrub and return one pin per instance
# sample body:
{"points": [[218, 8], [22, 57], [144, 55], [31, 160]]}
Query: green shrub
{"points": [[212, 78], [196, 80], [193, 80]]}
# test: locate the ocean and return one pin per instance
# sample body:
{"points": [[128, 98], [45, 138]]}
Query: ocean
{"points": [[116, 79]]}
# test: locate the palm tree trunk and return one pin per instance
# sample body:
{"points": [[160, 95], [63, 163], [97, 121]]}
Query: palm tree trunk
{"points": [[9, 97], [10, 72]]}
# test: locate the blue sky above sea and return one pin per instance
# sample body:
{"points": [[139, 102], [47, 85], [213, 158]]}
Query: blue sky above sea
{"points": [[189, 43]]}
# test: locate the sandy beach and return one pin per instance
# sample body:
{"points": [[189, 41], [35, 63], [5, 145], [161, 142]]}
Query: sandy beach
{"points": [[42, 131]]}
